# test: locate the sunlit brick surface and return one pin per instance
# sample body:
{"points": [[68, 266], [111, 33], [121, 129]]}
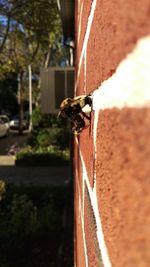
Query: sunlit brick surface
{"points": [[111, 163], [123, 184]]}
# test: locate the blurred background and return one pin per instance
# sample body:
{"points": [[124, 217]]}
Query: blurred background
{"points": [[36, 186]]}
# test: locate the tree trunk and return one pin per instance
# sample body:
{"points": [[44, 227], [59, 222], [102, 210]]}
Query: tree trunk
{"points": [[47, 59], [5, 36]]}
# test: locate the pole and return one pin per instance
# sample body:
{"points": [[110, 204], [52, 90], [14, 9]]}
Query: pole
{"points": [[30, 97]]}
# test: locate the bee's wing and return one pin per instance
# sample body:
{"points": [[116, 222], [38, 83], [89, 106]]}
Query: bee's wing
{"points": [[59, 113]]}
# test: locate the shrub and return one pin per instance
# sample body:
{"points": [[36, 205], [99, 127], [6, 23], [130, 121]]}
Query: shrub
{"points": [[49, 143], [23, 215], [41, 120], [37, 117], [44, 156], [53, 136], [2, 189], [31, 226]]}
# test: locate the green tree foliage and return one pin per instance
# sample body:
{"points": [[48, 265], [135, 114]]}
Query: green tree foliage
{"points": [[30, 32], [8, 91], [34, 28]]}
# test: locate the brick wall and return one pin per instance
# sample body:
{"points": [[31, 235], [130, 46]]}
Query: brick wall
{"points": [[112, 157]]}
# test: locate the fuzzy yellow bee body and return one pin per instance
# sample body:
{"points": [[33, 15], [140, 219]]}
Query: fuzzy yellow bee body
{"points": [[74, 109]]}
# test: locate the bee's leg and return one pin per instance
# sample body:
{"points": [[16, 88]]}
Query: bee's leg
{"points": [[78, 124], [90, 125], [88, 117]]}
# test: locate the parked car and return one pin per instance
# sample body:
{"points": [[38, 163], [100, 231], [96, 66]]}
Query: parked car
{"points": [[6, 120], [4, 131], [14, 123]]}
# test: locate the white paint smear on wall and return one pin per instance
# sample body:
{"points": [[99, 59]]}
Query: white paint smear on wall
{"points": [[94, 203], [129, 86]]}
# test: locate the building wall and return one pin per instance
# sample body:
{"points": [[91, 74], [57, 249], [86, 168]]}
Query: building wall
{"points": [[112, 156]]}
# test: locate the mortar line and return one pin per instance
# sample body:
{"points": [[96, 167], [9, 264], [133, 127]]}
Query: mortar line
{"points": [[93, 198], [82, 223], [85, 42]]}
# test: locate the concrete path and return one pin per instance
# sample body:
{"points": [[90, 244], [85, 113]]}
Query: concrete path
{"points": [[36, 176]]}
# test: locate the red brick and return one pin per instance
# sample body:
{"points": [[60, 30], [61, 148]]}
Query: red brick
{"points": [[123, 184], [116, 27], [79, 254]]}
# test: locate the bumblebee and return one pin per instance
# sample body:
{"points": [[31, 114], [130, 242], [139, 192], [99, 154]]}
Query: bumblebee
{"points": [[75, 110]]}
